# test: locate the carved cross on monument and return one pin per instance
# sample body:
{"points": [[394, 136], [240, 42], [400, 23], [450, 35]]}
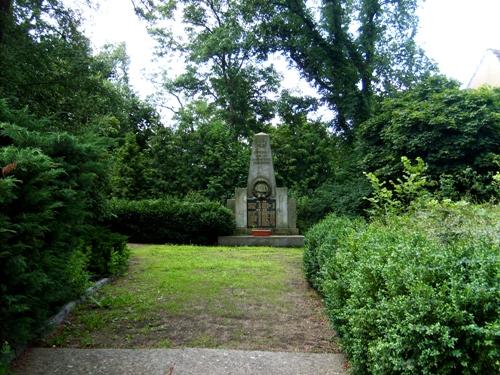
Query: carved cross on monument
{"points": [[262, 205]]}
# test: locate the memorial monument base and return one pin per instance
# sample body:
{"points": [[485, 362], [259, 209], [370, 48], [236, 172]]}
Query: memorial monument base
{"points": [[264, 214], [275, 231], [261, 232], [272, 241]]}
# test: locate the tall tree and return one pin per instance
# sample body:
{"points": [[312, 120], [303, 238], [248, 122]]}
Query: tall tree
{"points": [[222, 66], [131, 176], [349, 49], [200, 155], [46, 64]]}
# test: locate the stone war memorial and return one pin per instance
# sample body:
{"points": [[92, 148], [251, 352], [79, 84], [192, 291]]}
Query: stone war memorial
{"points": [[264, 214]]}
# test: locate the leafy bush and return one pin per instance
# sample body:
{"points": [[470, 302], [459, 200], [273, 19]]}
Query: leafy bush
{"points": [[195, 156], [344, 197], [52, 187], [107, 252], [343, 193], [457, 133], [6, 355], [415, 294], [404, 195], [303, 153], [171, 220], [34, 272]]}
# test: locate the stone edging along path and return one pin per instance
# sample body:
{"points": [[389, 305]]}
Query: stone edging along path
{"points": [[59, 318], [66, 309]]}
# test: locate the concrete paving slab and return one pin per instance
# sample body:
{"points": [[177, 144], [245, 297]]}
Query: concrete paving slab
{"points": [[47, 361]]}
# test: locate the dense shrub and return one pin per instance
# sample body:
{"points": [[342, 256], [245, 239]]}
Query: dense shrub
{"points": [[415, 294], [202, 154], [456, 132], [171, 220], [107, 252], [343, 197], [52, 188]]}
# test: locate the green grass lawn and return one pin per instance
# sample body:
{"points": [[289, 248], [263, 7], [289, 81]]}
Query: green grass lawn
{"points": [[189, 296]]}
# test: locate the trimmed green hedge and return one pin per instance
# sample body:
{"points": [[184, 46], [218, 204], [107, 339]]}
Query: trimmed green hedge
{"points": [[171, 220], [416, 294]]}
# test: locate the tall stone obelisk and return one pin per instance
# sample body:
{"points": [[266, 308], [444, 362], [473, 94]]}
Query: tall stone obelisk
{"points": [[263, 205], [261, 164]]}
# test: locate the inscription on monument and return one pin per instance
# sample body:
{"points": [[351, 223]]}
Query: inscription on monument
{"points": [[262, 156]]}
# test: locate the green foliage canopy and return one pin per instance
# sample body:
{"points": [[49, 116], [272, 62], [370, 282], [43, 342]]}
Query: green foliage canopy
{"points": [[349, 49], [456, 132], [46, 64], [222, 67], [304, 155], [58, 104], [201, 155]]}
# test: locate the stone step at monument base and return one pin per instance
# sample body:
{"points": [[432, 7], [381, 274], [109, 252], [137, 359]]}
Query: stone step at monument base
{"points": [[272, 241], [275, 231]]}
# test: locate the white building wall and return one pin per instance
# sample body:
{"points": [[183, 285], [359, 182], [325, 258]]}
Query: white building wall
{"points": [[487, 73]]}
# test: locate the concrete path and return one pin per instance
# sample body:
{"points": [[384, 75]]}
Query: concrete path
{"points": [[175, 362]]}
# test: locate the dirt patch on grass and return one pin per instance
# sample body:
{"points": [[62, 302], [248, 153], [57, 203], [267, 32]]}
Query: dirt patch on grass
{"points": [[135, 245], [236, 318]]}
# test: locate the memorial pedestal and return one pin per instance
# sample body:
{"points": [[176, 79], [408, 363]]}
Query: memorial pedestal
{"points": [[263, 205], [271, 241]]}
